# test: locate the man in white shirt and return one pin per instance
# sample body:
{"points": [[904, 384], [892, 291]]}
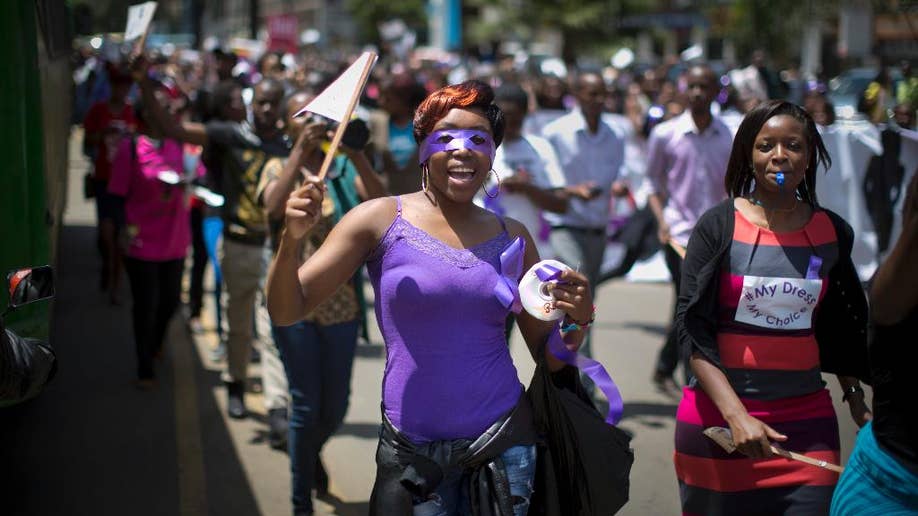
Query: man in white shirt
{"points": [[591, 154], [530, 177]]}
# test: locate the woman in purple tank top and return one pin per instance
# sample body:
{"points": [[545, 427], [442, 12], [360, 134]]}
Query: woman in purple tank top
{"points": [[457, 429]]}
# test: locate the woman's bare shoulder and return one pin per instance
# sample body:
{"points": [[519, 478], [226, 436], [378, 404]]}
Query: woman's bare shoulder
{"points": [[374, 215], [516, 228]]}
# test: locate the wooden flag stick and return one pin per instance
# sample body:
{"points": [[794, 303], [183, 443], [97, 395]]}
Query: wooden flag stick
{"points": [[352, 104], [723, 437], [142, 42]]}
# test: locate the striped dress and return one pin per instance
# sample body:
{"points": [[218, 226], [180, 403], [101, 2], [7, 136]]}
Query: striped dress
{"points": [[770, 284]]}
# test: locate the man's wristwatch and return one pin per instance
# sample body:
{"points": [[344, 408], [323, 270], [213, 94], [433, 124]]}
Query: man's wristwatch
{"points": [[854, 389]]}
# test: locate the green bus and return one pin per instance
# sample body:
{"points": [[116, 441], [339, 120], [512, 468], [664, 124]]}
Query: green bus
{"points": [[35, 106]]}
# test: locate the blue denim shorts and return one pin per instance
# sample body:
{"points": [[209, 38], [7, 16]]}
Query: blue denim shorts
{"points": [[452, 495]]}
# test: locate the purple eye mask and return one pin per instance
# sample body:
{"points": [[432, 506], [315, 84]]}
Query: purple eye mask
{"points": [[458, 139]]}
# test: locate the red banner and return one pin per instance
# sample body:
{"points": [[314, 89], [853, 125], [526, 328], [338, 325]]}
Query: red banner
{"points": [[282, 33]]}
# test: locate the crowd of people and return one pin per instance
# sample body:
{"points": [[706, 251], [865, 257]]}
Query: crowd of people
{"points": [[455, 172]]}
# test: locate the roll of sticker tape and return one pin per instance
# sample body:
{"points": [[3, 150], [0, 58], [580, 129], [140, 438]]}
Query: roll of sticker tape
{"points": [[535, 293]]}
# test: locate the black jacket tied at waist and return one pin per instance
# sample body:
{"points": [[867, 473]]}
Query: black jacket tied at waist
{"points": [[406, 472]]}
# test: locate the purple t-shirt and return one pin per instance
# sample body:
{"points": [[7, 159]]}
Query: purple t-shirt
{"points": [[448, 374], [156, 214]]}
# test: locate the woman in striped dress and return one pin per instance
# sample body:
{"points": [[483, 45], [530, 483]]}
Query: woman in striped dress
{"points": [[769, 301]]}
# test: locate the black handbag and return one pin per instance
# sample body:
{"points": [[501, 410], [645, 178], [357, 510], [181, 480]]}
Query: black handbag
{"points": [[584, 463]]}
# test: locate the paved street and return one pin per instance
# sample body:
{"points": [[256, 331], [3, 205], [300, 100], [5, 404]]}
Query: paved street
{"points": [[92, 444]]}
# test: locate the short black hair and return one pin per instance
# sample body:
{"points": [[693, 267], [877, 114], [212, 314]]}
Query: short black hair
{"points": [[512, 93], [271, 83], [222, 96], [287, 98], [227, 55]]}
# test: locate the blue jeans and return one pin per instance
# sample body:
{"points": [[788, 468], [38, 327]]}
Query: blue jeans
{"points": [[452, 495], [317, 360]]}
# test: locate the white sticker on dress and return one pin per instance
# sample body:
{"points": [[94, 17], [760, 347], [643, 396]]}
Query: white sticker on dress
{"points": [[778, 303]]}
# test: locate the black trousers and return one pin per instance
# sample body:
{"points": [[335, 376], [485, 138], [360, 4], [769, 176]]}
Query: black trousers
{"points": [[198, 263], [155, 289], [671, 354]]}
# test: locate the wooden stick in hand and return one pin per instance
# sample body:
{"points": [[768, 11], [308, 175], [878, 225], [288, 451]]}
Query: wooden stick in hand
{"points": [[724, 438]]}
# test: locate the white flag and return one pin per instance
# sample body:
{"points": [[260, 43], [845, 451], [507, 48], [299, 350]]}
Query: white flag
{"points": [[139, 18], [335, 99]]}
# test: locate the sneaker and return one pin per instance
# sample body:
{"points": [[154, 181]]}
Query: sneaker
{"points": [[277, 428], [236, 400]]}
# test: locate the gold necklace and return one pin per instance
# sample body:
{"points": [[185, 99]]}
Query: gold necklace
{"points": [[759, 203]]}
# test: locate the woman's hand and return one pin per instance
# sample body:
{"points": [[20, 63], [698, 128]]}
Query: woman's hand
{"points": [[304, 207], [752, 437], [860, 412], [573, 295]]}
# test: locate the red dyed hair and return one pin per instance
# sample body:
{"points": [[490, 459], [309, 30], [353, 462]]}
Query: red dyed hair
{"points": [[469, 94]]}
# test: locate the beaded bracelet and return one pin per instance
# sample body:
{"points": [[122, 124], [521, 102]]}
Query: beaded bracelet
{"points": [[566, 328], [592, 318], [574, 325]]}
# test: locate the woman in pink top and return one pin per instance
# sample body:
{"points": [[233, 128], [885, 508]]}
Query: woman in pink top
{"points": [[156, 234]]}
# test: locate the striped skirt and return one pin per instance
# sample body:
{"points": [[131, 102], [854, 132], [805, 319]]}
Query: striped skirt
{"points": [[712, 482]]}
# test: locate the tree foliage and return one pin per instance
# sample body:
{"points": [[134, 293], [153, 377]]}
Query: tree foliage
{"points": [[370, 13], [585, 25], [775, 26]]}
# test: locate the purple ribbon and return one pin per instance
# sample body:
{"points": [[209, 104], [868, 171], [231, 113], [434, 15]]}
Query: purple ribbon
{"points": [[507, 288], [547, 272], [594, 370], [812, 271], [455, 139]]}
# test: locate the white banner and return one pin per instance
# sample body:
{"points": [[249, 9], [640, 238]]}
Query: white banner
{"points": [[335, 99], [138, 20]]}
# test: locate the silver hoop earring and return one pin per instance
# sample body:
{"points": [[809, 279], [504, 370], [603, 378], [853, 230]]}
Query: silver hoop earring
{"points": [[496, 190], [425, 177]]}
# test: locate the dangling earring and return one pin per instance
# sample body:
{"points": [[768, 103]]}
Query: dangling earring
{"points": [[425, 177], [496, 190]]}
